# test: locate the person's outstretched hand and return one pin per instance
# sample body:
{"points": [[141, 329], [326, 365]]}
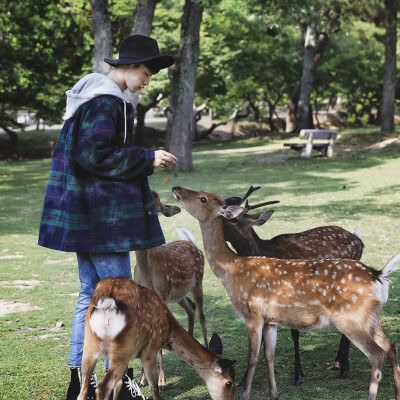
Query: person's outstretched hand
{"points": [[164, 159]]}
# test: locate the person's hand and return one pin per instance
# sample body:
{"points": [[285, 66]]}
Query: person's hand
{"points": [[164, 159]]}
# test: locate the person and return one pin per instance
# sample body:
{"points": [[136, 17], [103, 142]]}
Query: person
{"points": [[98, 202]]}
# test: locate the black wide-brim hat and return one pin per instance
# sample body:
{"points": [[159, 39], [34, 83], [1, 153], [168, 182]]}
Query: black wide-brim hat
{"points": [[137, 49]]}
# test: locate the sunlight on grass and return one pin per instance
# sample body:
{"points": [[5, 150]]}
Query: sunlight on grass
{"points": [[358, 188]]}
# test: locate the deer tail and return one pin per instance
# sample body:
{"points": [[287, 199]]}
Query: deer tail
{"points": [[387, 270], [107, 321], [184, 234]]}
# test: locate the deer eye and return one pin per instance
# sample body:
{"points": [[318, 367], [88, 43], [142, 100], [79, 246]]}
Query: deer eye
{"points": [[234, 220], [203, 200], [228, 384]]}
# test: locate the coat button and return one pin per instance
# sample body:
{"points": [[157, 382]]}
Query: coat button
{"points": [[150, 212]]}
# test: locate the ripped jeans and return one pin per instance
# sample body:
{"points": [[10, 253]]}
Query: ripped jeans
{"points": [[93, 267]]}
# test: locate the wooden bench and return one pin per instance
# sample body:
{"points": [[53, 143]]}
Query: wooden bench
{"points": [[325, 141]]}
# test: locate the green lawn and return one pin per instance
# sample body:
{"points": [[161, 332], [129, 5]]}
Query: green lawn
{"points": [[359, 188]]}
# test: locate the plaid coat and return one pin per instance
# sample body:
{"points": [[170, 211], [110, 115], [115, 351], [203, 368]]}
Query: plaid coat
{"points": [[98, 197]]}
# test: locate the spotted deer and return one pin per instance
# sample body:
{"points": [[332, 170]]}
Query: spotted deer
{"points": [[301, 294], [173, 271], [320, 242], [126, 321]]}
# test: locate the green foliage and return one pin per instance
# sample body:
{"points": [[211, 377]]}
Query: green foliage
{"points": [[250, 50], [353, 70], [43, 48]]}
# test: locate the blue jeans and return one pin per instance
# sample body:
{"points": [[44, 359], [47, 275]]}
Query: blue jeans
{"points": [[93, 267]]}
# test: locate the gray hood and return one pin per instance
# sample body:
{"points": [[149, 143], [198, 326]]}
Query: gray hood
{"points": [[89, 87]]}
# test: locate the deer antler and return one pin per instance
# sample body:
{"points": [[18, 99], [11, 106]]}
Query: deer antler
{"points": [[237, 201], [248, 207]]}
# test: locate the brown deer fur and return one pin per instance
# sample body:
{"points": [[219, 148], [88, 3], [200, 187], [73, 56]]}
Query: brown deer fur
{"points": [[320, 242], [173, 271], [126, 321], [301, 294]]}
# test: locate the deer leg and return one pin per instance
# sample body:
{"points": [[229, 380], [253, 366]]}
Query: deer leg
{"points": [[391, 351], [375, 353], [190, 308], [149, 362], [254, 334], [298, 371], [269, 336], [162, 384], [342, 360], [142, 378], [88, 364], [112, 377], [198, 299]]}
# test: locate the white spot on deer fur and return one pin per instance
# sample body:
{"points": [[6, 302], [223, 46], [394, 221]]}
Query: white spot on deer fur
{"points": [[360, 290], [241, 288], [350, 276], [253, 280], [354, 298], [314, 303], [334, 275], [245, 295], [343, 280], [357, 278]]}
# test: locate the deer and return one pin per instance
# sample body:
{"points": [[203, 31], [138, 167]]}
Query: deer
{"points": [[126, 321], [173, 270], [303, 294], [319, 242]]}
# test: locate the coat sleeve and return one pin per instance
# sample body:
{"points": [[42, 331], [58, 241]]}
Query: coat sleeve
{"points": [[98, 150]]}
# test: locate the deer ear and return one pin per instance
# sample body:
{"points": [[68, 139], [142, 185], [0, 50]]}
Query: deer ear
{"points": [[215, 345], [261, 218], [230, 212], [169, 211], [232, 201]]}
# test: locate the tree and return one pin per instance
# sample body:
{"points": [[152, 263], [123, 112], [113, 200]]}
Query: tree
{"points": [[389, 77], [44, 47], [183, 81], [102, 35]]}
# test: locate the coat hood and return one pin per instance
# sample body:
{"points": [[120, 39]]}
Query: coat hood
{"points": [[89, 87]]}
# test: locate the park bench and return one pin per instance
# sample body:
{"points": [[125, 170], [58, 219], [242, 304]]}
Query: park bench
{"points": [[318, 139]]}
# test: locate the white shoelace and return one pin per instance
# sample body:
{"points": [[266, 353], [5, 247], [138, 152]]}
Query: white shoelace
{"points": [[93, 381], [134, 388]]}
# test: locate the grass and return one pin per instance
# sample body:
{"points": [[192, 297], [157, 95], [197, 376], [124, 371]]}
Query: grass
{"points": [[359, 188]]}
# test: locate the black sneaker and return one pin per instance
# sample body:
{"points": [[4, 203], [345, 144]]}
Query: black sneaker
{"points": [[130, 389], [74, 387]]}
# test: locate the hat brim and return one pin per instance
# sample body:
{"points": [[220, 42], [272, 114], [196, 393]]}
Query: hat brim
{"points": [[160, 61]]}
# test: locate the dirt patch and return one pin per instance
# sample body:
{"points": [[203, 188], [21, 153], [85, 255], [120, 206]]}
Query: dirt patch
{"points": [[21, 284], [385, 143], [11, 257], [9, 307]]}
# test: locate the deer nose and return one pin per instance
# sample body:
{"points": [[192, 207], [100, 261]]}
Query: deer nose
{"points": [[176, 188]]}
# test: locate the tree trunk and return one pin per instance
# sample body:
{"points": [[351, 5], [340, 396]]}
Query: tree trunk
{"points": [[291, 120], [303, 117], [142, 24], [102, 36], [183, 82], [389, 78]]}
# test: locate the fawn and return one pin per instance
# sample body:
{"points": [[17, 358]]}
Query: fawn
{"points": [[173, 270], [126, 321]]}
